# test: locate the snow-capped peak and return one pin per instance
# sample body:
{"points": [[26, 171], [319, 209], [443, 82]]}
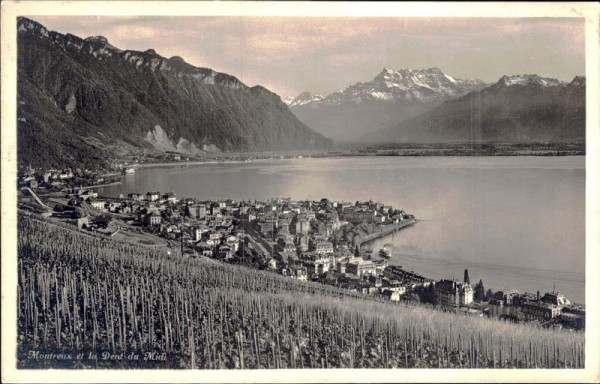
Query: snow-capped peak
{"points": [[288, 100], [419, 85], [525, 79], [305, 98]]}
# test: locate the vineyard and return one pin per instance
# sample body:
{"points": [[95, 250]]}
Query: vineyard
{"points": [[80, 293]]}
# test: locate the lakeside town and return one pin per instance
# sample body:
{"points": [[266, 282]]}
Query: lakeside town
{"points": [[323, 241]]}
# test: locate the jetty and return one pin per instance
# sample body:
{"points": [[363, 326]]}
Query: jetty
{"points": [[388, 229]]}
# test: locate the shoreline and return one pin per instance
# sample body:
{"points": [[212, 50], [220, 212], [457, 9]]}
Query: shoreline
{"points": [[102, 185], [341, 155], [387, 231], [195, 162]]}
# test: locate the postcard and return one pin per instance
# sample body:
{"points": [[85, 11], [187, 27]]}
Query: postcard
{"points": [[304, 192]]}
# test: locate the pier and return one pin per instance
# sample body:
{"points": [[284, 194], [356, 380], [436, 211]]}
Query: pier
{"points": [[386, 231]]}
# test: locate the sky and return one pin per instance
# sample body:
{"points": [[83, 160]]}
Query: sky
{"points": [[289, 55]]}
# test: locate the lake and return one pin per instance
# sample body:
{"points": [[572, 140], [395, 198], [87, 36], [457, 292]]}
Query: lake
{"points": [[514, 222]]}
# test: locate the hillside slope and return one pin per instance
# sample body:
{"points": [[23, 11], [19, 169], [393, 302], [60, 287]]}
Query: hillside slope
{"points": [[81, 101], [83, 293], [516, 109]]}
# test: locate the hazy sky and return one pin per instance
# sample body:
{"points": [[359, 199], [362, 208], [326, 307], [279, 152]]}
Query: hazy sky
{"points": [[289, 55]]}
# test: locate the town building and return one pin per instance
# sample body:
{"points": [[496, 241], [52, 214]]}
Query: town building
{"points": [[135, 196], [98, 204], [296, 272], [303, 241], [555, 298], [152, 219], [152, 196], [323, 247], [539, 310], [505, 297], [391, 295], [453, 293], [361, 267]]}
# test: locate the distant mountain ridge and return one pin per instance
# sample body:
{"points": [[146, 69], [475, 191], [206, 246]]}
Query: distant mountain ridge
{"points": [[389, 98], [515, 109], [83, 100]]}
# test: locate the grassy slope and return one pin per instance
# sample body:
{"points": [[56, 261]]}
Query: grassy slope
{"points": [[83, 293]]}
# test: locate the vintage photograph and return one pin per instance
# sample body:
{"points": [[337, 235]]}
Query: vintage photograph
{"points": [[222, 192]]}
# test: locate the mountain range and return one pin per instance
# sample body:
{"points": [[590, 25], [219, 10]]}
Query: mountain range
{"points": [[391, 97], [516, 109], [426, 106], [81, 101]]}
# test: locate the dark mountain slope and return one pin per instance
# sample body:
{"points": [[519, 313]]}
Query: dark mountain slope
{"points": [[517, 109], [80, 96]]}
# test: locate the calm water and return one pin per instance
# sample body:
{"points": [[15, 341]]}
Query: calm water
{"points": [[514, 222]]}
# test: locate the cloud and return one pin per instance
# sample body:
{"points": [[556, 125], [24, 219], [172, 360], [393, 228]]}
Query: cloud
{"points": [[324, 54], [135, 32]]}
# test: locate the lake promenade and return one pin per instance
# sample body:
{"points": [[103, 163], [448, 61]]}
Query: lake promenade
{"points": [[386, 230]]}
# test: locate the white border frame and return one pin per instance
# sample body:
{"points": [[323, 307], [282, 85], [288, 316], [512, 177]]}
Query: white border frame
{"points": [[11, 9]]}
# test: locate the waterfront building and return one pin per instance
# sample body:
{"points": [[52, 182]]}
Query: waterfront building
{"points": [[113, 206], [376, 281], [98, 204], [555, 298], [357, 216], [507, 296], [453, 293], [134, 196], [396, 286], [380, 265], [170, 198], [361, 267], [152, 196], [539, 310]]}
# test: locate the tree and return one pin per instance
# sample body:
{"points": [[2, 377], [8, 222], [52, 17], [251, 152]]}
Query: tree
{"points": [[466, 279], [432, 296], [413, 297], [79, 213], [489, 294], [357, 251], [479, 292], [102, 220]]}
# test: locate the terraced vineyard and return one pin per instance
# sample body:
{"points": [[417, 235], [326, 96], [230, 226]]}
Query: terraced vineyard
{"points": [[83, 294]]}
